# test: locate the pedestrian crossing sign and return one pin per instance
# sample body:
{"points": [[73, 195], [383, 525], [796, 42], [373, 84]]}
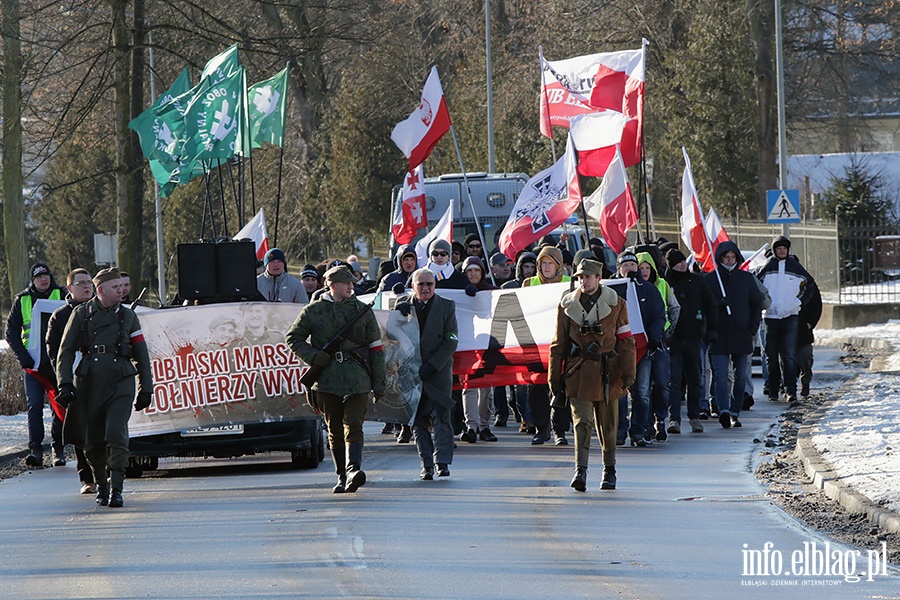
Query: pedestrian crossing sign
{"points": [[783, 206]]}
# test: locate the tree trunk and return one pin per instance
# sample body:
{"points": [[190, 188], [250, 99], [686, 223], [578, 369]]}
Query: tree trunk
{"points": [[762, 25], [135, 166], [13, 203], [128, 232]]}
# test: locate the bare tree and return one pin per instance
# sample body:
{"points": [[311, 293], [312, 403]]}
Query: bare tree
{"points": [[13, 203]]}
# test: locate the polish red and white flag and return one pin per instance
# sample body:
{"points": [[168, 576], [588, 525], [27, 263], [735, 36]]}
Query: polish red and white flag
{"points": [[596, 136], [693, 230], [612, 204], [715, 231], [756, 260], [546, 201], [583, 84], [255, 230], [420, 132], [412, 215]]}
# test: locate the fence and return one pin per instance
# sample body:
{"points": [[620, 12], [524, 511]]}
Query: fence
{"points": [[853, 263]]}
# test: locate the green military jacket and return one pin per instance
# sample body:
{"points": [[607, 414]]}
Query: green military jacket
{"points": [[104, 379], [318, 323]]}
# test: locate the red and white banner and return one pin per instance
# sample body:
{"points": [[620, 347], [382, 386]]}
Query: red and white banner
{"points": [[693, 230], [715, 231], [255, 229], [420, 132], [412, 215], [596, 136], [604, 81], [756, 260], [442, 230], [546, 201], [612, 205]]}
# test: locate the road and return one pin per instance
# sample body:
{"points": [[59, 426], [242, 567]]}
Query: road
{"points": [[504, 525]]}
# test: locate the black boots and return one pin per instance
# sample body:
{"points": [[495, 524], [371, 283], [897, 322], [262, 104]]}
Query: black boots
{"points": [[103, 494], [579, 482], [115, 499], [341, 486], [609, 479], [339, 457], [356, 477]]}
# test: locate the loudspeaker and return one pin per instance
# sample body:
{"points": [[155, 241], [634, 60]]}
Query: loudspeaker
{"points": [[225, 270], [236, 269], [196, 270]]}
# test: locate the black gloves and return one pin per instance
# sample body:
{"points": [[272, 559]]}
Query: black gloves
{"points": [[654, 345], [66, 395], [405, 308], [426, 369], [471, 290], [143, 401], [27, 362], [321, 359], [398, 288], [627, 381]]}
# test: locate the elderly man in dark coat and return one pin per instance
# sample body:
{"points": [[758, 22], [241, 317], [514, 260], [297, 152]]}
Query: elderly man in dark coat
{"points": [[99, 391], [438, 338], [740, 312]]}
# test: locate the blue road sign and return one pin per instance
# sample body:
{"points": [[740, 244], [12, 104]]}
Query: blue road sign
{"points": [[783, 206]]}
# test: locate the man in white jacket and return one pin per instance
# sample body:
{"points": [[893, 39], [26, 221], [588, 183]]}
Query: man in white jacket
{"points": [[790, 287]]}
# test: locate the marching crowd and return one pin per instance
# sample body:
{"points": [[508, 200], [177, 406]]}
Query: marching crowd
{"points": [[699, 327]]}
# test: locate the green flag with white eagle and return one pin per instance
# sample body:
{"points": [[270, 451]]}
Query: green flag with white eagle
{"points": [[266, 102]]}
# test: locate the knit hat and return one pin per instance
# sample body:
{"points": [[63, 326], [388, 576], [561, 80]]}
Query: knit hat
{"points": [[274, 254], [674, 256], [626, 256], [38, 269], [309, 271], [781, 241], [472, 261], [439, 245], [106, 275]]}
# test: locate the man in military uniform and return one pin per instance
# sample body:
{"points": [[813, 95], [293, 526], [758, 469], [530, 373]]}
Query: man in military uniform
{"points": [[99, 393], [592, 359], [342, 390]]}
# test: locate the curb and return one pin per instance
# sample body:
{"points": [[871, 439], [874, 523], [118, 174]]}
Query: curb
{"points": [[823, 476]]}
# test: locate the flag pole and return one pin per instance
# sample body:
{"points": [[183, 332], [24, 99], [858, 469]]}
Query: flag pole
{"points": [[222, 193], [696, 200], [472, 204], [278, 195], [546, 102]]}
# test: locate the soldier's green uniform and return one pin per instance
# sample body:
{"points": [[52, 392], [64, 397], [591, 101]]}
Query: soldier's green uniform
{"points": [[104, 384], [343, 388]]}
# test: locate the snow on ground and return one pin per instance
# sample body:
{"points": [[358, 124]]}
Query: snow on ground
{"points": [[860, 434]]}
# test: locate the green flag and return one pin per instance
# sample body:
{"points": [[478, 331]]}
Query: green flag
{"points": [[212, 119], [169, 176], [156, 133], [266, 102], [222, 65]]}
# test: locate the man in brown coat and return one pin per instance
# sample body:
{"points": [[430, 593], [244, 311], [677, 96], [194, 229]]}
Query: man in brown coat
{"points": [[592, 359]]}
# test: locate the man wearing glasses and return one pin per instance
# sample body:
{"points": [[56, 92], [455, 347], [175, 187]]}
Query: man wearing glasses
{"points": [[81, 289], [474, 248], [445, 274], [438, 338]]}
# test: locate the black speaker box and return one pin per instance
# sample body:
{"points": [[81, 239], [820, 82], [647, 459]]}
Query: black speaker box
{"points": [[207, 270]]}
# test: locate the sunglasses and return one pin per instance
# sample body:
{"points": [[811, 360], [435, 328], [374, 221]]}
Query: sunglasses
{"points": [[439, 254], [474, 246]]}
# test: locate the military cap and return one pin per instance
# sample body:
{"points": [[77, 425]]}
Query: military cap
{"points": [[589, 267], [340, 274], [106, 275]]}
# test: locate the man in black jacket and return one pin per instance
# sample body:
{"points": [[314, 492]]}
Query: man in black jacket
{"points": [[18, 334], [698, 322]]}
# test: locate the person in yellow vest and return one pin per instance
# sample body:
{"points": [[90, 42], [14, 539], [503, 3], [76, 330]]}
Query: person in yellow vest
{"points": [[18, 334], [550, 269]]}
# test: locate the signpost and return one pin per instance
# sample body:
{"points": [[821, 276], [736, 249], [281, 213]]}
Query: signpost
{"points": [[783, 206]]}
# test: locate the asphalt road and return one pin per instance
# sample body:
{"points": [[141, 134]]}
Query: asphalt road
{"points": [[504, 525]]}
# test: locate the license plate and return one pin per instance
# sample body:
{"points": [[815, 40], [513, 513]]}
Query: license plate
{"points": [[213, 430]]}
